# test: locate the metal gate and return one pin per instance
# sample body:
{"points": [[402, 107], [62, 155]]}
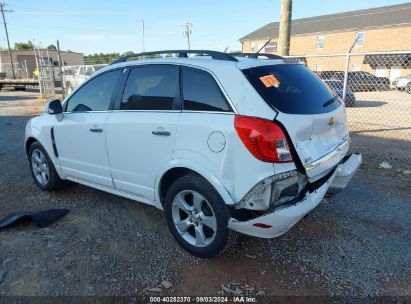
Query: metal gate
{"points": [[45, 71]]}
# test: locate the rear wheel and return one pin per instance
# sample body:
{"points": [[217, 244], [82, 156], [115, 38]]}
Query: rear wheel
{"points": [[349, 103], [408, 88], [42, 169], [197, 216]]}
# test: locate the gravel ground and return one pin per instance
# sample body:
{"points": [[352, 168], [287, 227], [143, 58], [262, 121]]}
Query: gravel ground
{"points": [[384, 114], [356, 243]]}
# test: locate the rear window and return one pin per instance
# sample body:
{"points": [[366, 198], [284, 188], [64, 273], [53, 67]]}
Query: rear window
{"points": [[292, 89]]}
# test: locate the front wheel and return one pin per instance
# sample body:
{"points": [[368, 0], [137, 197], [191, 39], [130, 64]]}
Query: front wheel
{"points": [[42, 169], [197, 216], [408, 88]]}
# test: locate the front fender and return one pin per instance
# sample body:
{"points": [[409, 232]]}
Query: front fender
{"points": [[39, 129], [204, 172]]}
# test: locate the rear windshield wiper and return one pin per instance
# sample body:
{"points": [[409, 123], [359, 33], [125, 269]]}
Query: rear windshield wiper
{"points": [[331, 101]]}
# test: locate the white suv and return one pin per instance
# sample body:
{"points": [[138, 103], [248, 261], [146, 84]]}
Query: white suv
{"points": [[220, 143]]}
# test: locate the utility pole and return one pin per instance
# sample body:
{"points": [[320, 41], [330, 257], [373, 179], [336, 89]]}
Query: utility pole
{"points": [[7, 36], [142, 37], [285, 28], [63, 84], [187, 32]]}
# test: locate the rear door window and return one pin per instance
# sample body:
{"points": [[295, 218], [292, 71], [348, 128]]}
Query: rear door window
{"points": [[150, 88], [201, 92], [292, 89]]}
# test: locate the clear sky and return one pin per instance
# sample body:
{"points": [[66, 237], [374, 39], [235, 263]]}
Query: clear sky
{"points": [[94, 26]]}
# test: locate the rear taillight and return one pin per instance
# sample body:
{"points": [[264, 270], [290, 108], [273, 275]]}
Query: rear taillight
{"points": [[263, 138]]}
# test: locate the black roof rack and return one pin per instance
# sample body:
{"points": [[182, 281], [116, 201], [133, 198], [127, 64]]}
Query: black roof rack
{"points": [[181, 54], [256, 55]]}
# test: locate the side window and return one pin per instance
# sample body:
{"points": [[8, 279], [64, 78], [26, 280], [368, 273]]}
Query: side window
{"points": [[150, 88], [95, 95], [359, 39], [201, 92], [89, 71], [81, 71]]}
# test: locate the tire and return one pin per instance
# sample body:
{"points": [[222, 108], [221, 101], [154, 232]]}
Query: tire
{"points": [[349, 103], [408, 88], [42, 169], [185, 193]]}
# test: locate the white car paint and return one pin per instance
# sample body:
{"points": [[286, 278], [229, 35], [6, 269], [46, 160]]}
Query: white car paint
{"points": [[127, 159], [82, 154], [129, 144]]}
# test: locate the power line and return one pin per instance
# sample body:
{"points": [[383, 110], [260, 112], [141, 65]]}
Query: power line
{"points": [[2, 5]]}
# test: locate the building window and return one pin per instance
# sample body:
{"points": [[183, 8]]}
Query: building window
{"points": [[252, 47], [320, 42], [356, 67], [271, 47], [359, 39]]}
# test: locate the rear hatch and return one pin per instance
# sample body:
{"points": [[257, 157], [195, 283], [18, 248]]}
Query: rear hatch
{"points": [[313, 116]]}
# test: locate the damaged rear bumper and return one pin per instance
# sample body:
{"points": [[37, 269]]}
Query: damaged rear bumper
{"points": [[345, 172], [283, 218]]}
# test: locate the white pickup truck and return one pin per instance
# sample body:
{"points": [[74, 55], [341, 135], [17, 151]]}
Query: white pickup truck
{"points": [[73, 76]]}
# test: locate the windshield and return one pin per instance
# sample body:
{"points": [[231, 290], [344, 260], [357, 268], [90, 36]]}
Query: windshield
{"points": [[292, 89]]}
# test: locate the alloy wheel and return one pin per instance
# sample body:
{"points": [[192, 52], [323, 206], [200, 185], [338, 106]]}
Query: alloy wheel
{"points": [[40, 166], [194, 218]]}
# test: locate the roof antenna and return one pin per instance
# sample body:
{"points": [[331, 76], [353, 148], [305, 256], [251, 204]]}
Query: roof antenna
{"points": [[269, 40], [226, 49]]}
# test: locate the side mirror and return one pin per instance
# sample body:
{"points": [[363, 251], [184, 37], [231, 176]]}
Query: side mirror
{"points": [[54, 107]]}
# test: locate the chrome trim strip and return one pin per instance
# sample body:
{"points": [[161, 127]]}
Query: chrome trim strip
{"points": [[80, 112], [209, 112], [327, 157], [158, 111]]}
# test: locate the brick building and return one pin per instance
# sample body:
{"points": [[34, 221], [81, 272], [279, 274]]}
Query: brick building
{"points": [[379, 29], [25, 60]]}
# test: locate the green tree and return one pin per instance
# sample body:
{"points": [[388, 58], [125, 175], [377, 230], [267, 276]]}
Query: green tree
{"points": [[24, 45], [103, 58], [52, 47]]}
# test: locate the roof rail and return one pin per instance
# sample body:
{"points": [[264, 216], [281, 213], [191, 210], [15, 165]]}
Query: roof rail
{"points": [[181, 53], [256, 55]]}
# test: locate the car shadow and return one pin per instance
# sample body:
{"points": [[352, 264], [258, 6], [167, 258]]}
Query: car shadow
{"points": [[369, 104], [9, 98]]}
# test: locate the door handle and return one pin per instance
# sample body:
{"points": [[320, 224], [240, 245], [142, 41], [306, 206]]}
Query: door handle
{"points": [[96, 130], [161, 132]]}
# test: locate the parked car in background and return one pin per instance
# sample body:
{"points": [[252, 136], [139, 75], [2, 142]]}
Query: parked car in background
{"points": [[402, 83], [331, 75], [222, 144], [73, 76], [364, 81], [358, 81], [337, 87]]}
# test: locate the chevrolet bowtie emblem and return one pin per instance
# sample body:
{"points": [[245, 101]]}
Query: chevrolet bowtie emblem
{"points": [[331, 121]]}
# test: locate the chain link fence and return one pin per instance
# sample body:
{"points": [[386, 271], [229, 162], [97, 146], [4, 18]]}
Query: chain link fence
{"points": [[20, 70], [376, 88]]}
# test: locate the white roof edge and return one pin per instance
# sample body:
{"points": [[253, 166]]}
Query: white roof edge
{"points": [[208, 63], [246, 63]]}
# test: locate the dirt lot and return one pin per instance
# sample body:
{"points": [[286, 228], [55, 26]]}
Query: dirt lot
{"points": [[356, 243], [383, 114]]}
